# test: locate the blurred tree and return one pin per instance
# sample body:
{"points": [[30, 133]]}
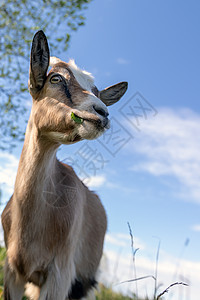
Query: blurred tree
{"points": [[19, 20]]}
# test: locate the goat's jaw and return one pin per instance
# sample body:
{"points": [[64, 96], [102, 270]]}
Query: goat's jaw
{"points": [[90, 129], [63, 138]]}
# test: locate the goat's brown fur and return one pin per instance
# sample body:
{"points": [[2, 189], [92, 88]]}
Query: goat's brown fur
{"points": [[54, 227]]}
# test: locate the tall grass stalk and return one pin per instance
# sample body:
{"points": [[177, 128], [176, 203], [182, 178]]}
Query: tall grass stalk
{"points": [[134, 251], [156, 271]]}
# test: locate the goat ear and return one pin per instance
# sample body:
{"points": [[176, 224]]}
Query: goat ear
{"points": [[113, 93], [39, 62]]}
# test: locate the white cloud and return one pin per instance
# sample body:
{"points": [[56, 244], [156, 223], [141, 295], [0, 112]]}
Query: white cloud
{"points": [[196, 227], [170, 145], [123, 240], [95, 181], [109, 239], [8, 169]]}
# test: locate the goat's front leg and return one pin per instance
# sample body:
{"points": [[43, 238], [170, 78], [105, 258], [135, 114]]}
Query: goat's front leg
{"points": [[58, 282], [13, 285]]}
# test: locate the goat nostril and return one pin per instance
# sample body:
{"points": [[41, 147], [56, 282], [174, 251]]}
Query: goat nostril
{"points": [[101, 111]]}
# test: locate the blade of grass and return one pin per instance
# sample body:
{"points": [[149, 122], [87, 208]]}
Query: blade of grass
{"points": [[134, 251], [169, 287], [135, 279], [156, 270]]}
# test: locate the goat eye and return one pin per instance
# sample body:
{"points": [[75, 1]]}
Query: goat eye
{"points": [[56, 79]]}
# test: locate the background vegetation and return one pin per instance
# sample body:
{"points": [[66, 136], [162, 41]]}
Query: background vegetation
{"points": [[19, 21]]}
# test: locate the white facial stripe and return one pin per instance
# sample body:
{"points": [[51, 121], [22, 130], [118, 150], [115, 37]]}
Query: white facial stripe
{"points": [[54, 60], [84, 78]]}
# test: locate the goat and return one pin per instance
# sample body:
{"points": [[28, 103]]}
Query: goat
{"points": [[55, 241]]}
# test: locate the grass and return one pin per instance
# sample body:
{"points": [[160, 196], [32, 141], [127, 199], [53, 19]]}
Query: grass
{"points": [[2, 259], [104, 293]]}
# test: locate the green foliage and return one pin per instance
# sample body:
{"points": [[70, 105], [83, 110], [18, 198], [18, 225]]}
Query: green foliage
{"points": [[76, 118], [19, 21], [2, 259], [108, 294]]}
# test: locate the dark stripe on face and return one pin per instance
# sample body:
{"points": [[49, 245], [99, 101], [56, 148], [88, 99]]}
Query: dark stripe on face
{"points": [[95, 91], [67, 92], [63, 83]]}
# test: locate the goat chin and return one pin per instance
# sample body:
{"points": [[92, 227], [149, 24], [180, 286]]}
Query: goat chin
{"points": [[32, 291]]}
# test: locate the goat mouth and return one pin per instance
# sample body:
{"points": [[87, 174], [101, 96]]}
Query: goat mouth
{"points": [[85, 117], [100, 124], [76, 118]]}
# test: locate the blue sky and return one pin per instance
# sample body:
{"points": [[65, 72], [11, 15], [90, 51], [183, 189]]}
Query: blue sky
{"points": [[152, 180]]}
